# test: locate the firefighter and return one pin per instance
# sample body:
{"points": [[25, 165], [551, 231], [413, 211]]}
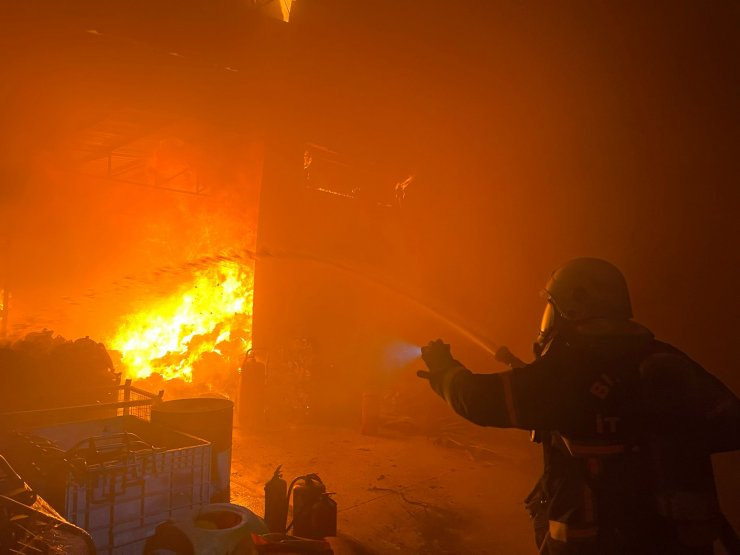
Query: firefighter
{"points": [[627, 423]]}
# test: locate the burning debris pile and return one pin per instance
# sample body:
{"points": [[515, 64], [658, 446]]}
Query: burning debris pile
{"points": [[197, 335], [46, 371]]}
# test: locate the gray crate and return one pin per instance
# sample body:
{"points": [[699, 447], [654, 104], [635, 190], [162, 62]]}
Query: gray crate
{"points": [[127, 486]]}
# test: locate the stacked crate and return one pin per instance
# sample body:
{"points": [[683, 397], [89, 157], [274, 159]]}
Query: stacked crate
{"points": [[126, 476]]}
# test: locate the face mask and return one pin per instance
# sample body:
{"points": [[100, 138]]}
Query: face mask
{"points": [[547, 330]]}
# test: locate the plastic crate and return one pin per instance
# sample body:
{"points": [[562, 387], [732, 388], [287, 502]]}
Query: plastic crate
{"points": [[129, 476]]}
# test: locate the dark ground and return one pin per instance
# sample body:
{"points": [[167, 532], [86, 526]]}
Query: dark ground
{"points": [[398, 493], [456, 492]]}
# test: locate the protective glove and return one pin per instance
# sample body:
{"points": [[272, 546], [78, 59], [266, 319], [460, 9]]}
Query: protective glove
{"points": [[439, 360]]}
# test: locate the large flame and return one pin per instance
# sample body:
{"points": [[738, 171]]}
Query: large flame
{"points": [[211, 315]]}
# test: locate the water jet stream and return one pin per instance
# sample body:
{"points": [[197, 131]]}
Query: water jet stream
{"points": [[480, 341]]}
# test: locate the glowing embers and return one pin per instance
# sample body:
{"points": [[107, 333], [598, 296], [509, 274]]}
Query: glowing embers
{"points": [[204, 328]]}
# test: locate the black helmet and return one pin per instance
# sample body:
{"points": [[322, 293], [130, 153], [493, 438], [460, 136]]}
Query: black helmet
{"points": [[587, 288], [583, 289]]}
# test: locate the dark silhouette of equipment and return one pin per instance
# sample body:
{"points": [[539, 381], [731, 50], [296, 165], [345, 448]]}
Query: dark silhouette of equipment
{"points": [[314, 511], [276, 503], [28, 524], [252, 389], [211, 420]]}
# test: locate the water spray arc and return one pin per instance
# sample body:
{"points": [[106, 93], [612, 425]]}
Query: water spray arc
{"points": [[482, 342]]}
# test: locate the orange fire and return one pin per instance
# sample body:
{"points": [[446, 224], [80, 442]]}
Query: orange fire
{"points": [[213, 314]]}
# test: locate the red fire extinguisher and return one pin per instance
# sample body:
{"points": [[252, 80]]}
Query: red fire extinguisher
{"points": [[314, 511], [276, 503], [252, 389]]}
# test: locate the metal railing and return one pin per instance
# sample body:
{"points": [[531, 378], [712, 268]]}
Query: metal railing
{"points": [[129, 400]]}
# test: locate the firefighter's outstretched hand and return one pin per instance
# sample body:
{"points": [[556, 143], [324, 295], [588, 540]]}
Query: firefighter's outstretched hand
{"points": [[442, 367], [436, 355]]}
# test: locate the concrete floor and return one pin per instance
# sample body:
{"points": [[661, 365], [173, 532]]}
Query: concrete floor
{"points": [[399, 493]]}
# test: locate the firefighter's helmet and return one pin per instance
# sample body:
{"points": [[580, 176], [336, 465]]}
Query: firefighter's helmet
{"points": [[587, 288]]}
